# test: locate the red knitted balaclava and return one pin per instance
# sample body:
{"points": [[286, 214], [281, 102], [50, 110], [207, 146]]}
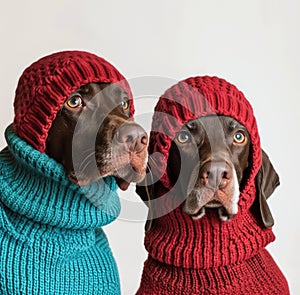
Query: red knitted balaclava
{"points": [[207, 255], [193, 98], [46, 84]]}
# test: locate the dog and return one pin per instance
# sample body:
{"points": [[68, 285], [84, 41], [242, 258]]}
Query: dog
{"points": [[121, 144], [72, 142], [207, 191]]}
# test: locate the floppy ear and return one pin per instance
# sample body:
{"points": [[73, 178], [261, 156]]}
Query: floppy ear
{"points": [[266, 181], [149, 189], [145, 192]]}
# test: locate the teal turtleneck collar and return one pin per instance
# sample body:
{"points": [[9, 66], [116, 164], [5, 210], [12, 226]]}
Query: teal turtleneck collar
{"points": [[51, 240], [36, 186]]}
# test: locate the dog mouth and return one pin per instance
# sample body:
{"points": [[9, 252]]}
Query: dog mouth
{"points": [[123, 175], [127, 174], [213, 204], [125, 167], [225, 210], [202, 199], [131, 168], [224, 215]]}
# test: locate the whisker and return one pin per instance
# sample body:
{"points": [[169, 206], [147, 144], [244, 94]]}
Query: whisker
{"points": [[86, 161]]}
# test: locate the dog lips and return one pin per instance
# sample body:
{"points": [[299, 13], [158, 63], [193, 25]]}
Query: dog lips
{"points": [[123, 184]]}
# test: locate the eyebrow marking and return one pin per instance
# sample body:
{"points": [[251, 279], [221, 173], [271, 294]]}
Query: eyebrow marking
{"points": [[85, 89], [233, 124]]}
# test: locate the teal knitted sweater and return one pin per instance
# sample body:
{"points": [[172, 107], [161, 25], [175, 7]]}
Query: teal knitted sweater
{"points": [[51, 241]]}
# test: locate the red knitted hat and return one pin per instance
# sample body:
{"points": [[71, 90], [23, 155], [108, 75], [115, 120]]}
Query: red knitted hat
{"points": [[46, 84], [193, 98]]}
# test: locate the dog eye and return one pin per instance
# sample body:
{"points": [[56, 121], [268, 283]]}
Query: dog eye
{"points": [[125, 104], [183, 137], [74, 102], [239, 137]]}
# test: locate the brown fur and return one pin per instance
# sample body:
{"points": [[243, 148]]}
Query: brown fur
{"points": [[97, 138]]}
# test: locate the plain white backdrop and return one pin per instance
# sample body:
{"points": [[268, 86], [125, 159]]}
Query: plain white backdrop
{"points": [[253, 44]]}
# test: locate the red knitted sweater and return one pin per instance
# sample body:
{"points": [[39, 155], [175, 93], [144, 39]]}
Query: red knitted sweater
{"points": [[206, 256]]}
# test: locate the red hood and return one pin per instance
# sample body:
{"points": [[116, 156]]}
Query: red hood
{"points": [[207, 255], [193, 98]]}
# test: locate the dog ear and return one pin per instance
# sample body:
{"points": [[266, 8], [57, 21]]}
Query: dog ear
{"points": [[266, 181], [145, 192]]}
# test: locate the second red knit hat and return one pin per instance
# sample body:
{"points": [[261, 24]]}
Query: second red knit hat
{"points": [[193, 98]]}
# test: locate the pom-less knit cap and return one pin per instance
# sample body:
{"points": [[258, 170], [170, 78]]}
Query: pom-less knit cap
{"points": [[46, 84], [193, 98]]}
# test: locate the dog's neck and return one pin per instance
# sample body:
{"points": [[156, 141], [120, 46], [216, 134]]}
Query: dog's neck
{"points": [[34, 186], [177, 239]]}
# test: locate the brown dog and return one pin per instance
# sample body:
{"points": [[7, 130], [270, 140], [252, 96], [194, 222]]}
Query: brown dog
{"points": [[207, 164], [73, 121], [209, 221], [120, 146]]}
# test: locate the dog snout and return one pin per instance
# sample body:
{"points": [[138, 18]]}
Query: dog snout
{"points": [[215, 175], [133, 136]]}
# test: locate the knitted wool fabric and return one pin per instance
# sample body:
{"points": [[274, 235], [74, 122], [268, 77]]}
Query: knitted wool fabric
{"points": [[51, 241], [45, 85], [206, 256]]}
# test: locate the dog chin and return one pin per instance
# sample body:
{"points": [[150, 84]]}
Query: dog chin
{"points": [[127, 174]]}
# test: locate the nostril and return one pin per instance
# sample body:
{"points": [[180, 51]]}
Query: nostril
{"points": [[141, 142], [144, 139], [225, 175], [129, 139]]}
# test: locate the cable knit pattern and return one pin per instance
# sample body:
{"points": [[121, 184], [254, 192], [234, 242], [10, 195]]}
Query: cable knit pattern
{"points": [[205, 256], [51, 241]]}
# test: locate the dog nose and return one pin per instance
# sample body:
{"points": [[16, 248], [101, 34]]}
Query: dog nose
{"points": [[133, 136], [215, 175]]}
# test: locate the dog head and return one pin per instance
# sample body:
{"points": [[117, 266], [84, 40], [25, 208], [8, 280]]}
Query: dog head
{"points": [[205, 148], [74, 105], [93, 136]]}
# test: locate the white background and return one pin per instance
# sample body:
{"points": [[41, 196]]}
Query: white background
{"points": [[253, 44]]}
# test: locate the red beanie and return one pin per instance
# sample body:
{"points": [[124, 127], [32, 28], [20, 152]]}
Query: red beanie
{"points": [[46, 84], [206, 256]]}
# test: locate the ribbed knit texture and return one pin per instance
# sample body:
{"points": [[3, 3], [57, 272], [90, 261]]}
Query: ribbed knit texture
{"points": [[258, 275], [46, 84], [205, 256], [51, 241]]}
